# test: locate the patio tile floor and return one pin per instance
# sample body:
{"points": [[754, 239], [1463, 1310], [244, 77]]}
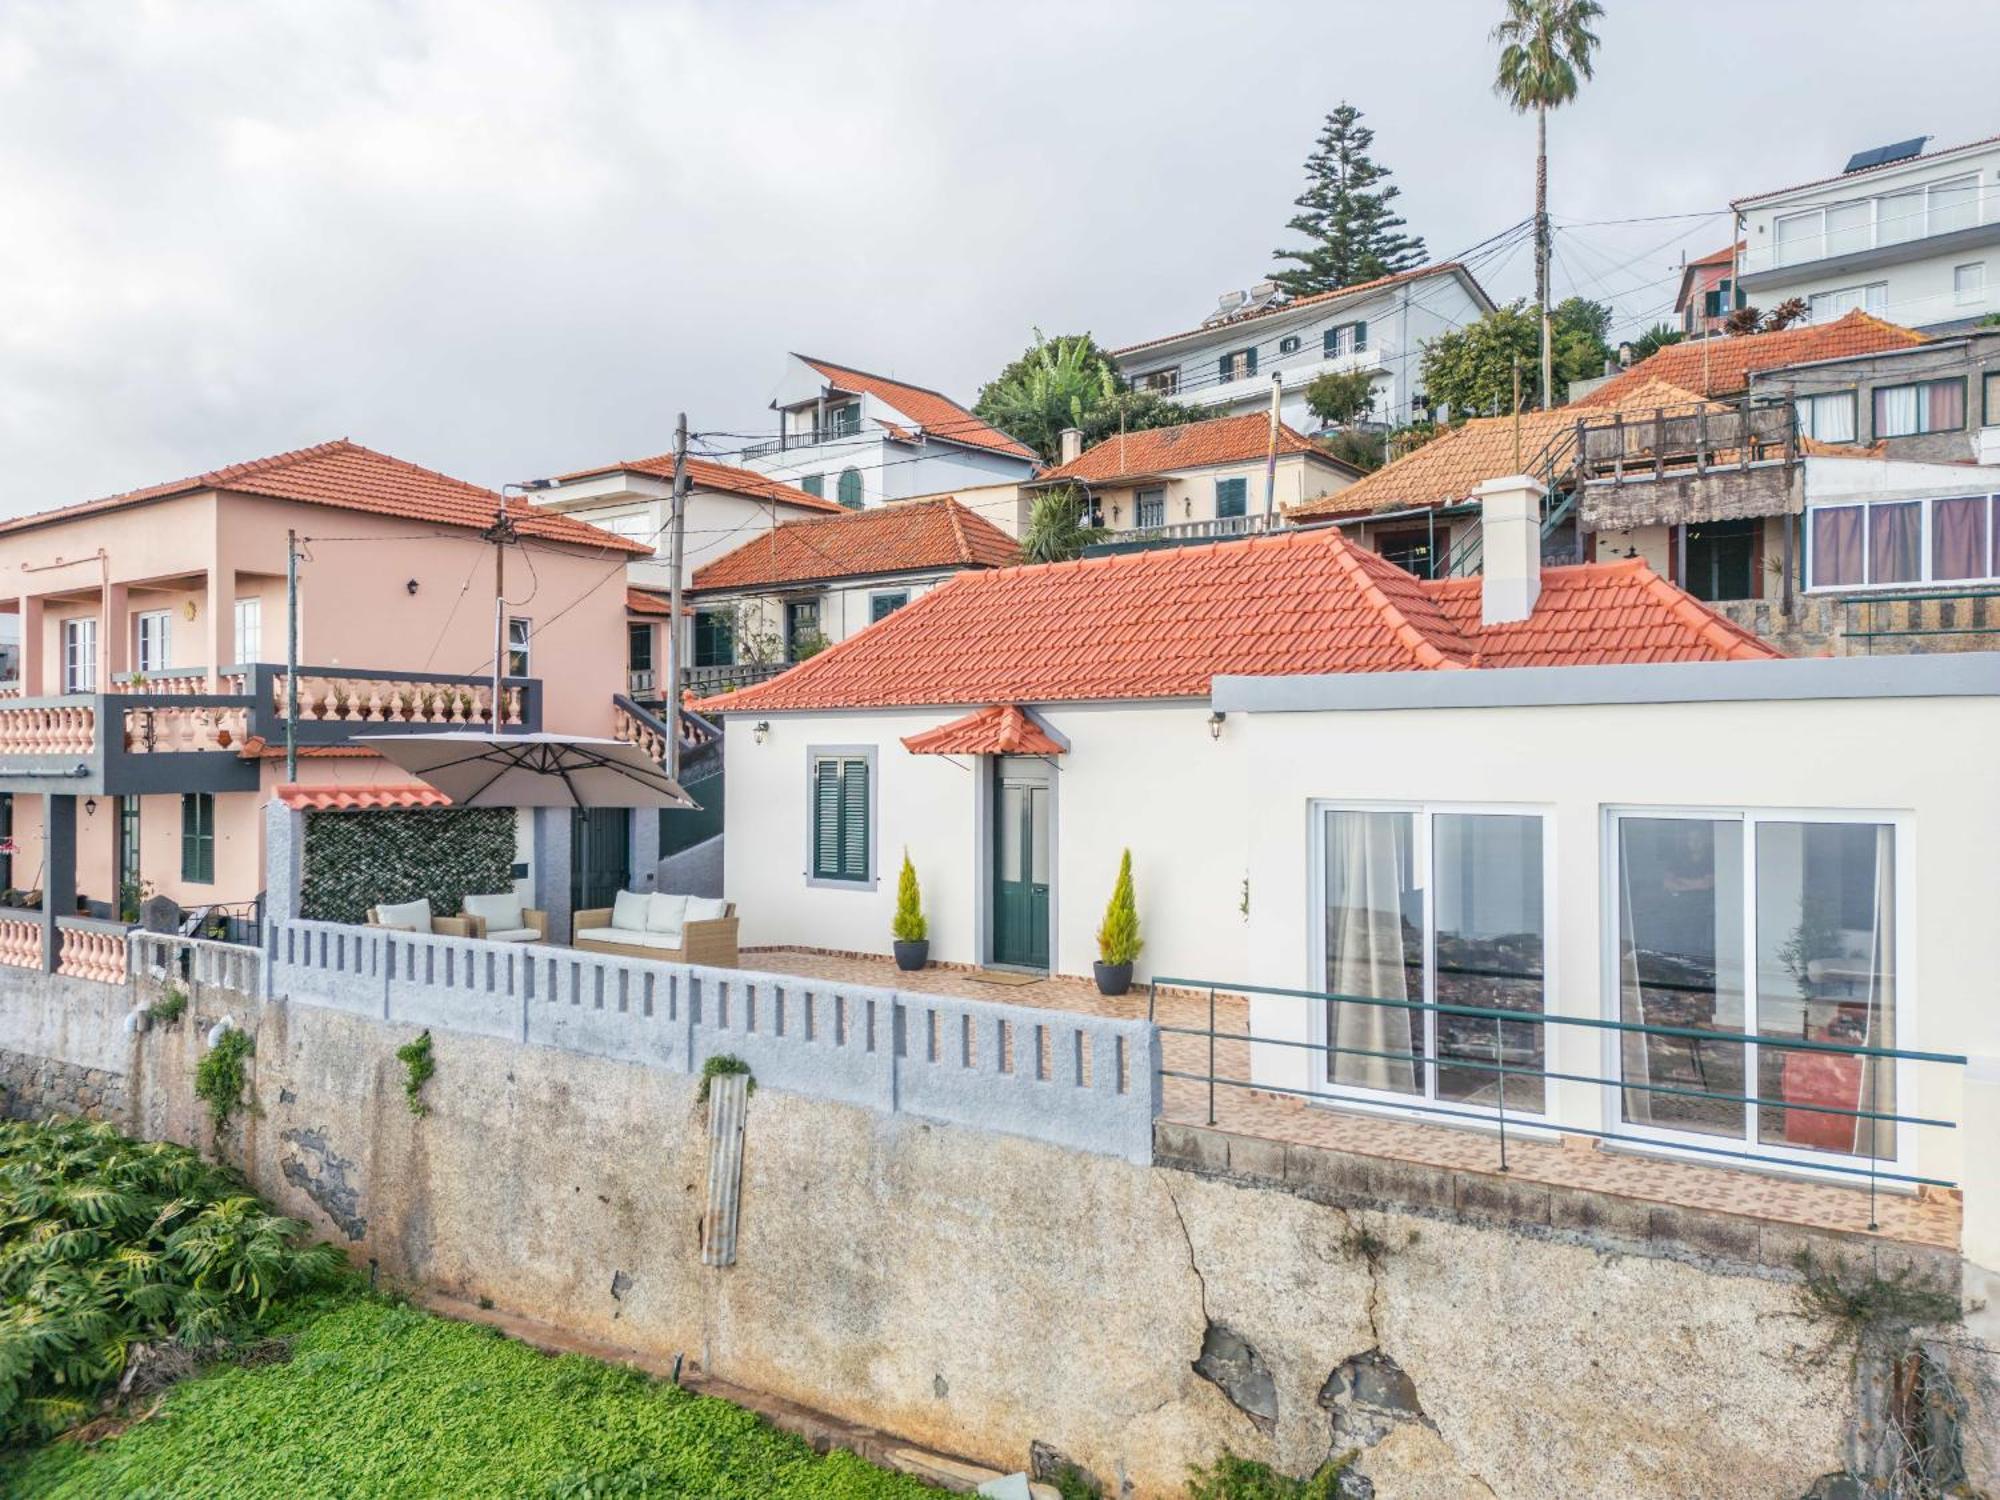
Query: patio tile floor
{"points": [[1930, 1218]]}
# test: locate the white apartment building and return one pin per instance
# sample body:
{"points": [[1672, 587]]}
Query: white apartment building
{"points": [[861, 439], [1905, 234], [1228, 363]]}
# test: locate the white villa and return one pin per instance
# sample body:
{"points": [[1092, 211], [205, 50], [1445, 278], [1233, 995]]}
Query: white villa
{"points": [[1906, 234], [1253, 338], [860, 439]]}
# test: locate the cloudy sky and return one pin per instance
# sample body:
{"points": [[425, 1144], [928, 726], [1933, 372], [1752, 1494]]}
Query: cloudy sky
{"points": [[509, 239]]}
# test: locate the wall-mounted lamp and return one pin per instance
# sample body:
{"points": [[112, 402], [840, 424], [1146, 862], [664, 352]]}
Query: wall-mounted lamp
{"points": [[411, 585], [761, 728], [1215, 724], [90, 807]]}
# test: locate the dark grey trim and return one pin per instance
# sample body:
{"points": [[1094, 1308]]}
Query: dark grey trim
{"points": [[1873, 257], [1969, 674]]}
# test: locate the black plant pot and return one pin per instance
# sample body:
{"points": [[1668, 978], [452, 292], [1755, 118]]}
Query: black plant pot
{"points": [[913, 956], [1113, 979]]}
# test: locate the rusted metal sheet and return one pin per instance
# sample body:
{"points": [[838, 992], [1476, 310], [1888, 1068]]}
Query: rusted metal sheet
{"points": [[728, 1103]]}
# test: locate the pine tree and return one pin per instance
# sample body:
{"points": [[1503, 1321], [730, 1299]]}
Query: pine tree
{"points": [[1353, 230]]}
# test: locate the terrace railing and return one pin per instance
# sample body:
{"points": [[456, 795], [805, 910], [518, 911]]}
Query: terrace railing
{"points": [[204, 965], [1105, 541], [1493, 1043], [1087, 1082], [705, 681]]}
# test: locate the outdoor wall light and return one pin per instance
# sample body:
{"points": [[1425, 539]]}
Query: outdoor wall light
{"points": [[1215, 724], [761, 728], [90, 807], [411, 585]]}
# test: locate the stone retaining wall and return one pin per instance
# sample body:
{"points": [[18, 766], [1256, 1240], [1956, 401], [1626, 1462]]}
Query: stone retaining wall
{"points": [[33, 1087]]}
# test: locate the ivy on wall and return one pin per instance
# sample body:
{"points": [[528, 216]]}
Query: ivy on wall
{"points": [[355, 860]]}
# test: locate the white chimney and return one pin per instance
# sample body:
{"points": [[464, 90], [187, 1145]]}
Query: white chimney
{"points": [[1510, 546], [1070, 447]]}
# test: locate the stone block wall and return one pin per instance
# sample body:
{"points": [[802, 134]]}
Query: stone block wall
{"points": [[32, 1088]]}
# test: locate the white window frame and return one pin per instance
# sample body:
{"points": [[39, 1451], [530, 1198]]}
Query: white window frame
{"points": [[152, 641], [1962, 294], [1810, 404], [249, 619], [520, 643], [1427, 1106], [1877, 219], [1695, 1144], [1926, 559], [79, 654], [1873, 300]]}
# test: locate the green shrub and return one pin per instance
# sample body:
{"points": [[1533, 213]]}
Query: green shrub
{"points": [[418, 1066], [909, 925], [220, 1077], [169, 1007], [106, 1243], [1118, 936], [1233, 1478], [720, 1066]]}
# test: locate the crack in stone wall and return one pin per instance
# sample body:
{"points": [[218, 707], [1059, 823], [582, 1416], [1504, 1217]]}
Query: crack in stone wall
{"points": [[322, 1176]]}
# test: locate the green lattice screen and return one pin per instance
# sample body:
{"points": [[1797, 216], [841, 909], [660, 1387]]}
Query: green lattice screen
{"points": [[355, 860]]}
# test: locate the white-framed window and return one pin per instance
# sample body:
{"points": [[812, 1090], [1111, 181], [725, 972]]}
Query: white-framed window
{"points": [[1162, 382], [1438, 905], [152, 629], [1762, 928], [1886, 219], [1873, 299], [1828, 416], [1891, 543], [79, 656], [1919, 407], [1344, 338], [519, 633], [249, 630], [1968, 283], [1150, 508]]}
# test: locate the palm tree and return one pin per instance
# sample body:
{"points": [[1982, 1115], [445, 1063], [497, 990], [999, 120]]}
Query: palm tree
{"points": [[1545, 48]]}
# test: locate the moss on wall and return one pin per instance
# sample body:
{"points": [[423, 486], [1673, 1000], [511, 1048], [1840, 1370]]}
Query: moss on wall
{"points": [[354, 860]]}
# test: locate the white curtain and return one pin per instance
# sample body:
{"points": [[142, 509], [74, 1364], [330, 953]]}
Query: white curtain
{"points": [[1366, 856], [1896, 411]]}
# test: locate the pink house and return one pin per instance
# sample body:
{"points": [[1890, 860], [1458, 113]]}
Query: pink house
{"points": [[148, 715]]}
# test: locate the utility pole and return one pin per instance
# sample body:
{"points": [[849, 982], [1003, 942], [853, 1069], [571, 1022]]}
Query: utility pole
{"points": [[500, 534], [676, 550], [1517, 413], [291, 658], [1271, 457], [1542, 249]]}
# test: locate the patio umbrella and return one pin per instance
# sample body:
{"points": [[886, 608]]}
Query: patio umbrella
{"points": [[531, 770]]}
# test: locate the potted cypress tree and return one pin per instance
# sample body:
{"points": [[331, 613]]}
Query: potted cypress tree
{"points": [[1118, 941], [911, 930]]}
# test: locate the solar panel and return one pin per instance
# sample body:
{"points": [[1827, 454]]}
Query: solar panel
{"points": [[1882, 155]]}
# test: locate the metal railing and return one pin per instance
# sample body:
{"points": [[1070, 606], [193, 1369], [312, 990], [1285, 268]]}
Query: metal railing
{"points": [[1499, 1071], [833, 433], [1180, 533], [723, 679], [1916, 616]]}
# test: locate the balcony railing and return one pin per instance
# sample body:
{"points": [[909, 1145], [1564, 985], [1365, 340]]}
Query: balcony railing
{"points": [[1106, 540], [708, 681], [809, 439]]}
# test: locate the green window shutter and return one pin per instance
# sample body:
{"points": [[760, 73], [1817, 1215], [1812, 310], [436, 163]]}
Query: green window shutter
{"points": [[826, 819], [850, 488], [814, 484], [1250, 360], [198, 837], [1329, 343], [840, 818], [1225, 368], [1230, 496], [854, 820], [1361, 336]]}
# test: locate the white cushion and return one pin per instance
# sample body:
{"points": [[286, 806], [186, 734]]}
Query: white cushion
{"points": [[628, 911], [626, 938], [665, 914], [502, 911], [409, 916], [706, 908], [512, 935]]}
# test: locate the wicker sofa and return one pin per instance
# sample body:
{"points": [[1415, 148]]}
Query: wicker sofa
{"points": [[503, 919], [416, 916], [673, 929]]}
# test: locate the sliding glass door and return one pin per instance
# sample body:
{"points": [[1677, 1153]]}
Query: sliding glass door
{"points": [[1761, 929], [1432, 906]]}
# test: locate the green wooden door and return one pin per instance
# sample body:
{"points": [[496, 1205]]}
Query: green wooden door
{"points": [[600, 856], [1021, 869]]}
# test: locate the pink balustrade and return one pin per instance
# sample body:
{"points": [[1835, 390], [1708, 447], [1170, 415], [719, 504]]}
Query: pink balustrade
{"points": [[194, 682], [165, 729], [88, 953], [633, 732], [366, 700], [20, 944], [60, 729]]}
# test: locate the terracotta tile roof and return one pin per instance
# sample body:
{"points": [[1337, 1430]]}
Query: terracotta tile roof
{"points": [[1163, 624], [1441, 268], [1723, 366], [1003, 729], [906, 538], [707, 474], [256, 747], [347, 476], [1865, 171], [1161, 450], [360, 798], [936, 414], [651, 603], [1445, 470]]}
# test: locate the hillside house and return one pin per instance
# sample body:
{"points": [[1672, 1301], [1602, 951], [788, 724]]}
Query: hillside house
{"points": [[1708, 293]]}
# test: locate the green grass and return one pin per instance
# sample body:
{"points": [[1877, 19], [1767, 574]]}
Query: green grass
{"points": [[380, 1399]]}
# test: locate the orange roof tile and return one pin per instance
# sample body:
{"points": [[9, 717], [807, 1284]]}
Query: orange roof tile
{"points": [[707, 474], [1723, 366], [347, 476], [1161, 450], [650, 603], [1164, 624], [1002, 729], [1441, 268], [360, 798], [907, 538], [1445, 470], [936, 414]]}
